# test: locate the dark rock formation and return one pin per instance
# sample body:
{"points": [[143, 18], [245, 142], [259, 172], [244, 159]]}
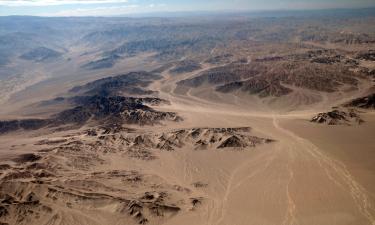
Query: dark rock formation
{"points": [[258, 86], [224, 75], [114, 109], [327, 59], [106, 110], [269, 79], [140, 145], [41, 54], [130, 83], [220, 59], [367, 102], [338, 117], [232, 142], [29, 157], [186, 66], [103, 63], [27, 124], [102, 101], [369, 56], [269, 59]]}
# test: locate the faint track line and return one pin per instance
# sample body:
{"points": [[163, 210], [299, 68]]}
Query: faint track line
{"points": [[338, 173]]}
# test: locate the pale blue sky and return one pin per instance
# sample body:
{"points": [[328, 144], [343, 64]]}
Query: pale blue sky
{"points": [[123, 7]]}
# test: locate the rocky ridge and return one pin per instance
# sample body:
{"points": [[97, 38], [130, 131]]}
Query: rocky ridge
{"points": [[36, 188], [347, 114], [338, 117], [268, 78], [117, 109], [366, 102]]}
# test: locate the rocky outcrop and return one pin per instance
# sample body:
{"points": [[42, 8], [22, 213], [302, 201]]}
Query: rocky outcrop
{"points": [[131, 83], [28, 157], [367, 102], [115, 109], [24, 201], [327, 59], [369, 55], [106, 110], [338, 117], [64, 175], [347, 114], [258, 86], [140, 146], [271, 79], [224, 74], [103, 101], [232, 142]]}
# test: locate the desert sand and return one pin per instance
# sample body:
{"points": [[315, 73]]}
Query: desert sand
{"points": [[308, 174]]}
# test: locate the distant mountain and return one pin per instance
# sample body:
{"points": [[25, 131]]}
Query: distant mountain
{"points": [[14, 44], [4, 59], [41, 54], [117, 109], [106, 62], [105, 110], [102, 101], [130, 83], [186, 66], [271, 76]]}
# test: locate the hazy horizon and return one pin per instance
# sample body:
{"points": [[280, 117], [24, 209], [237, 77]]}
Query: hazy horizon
{"points": [[129, 7], [166, 112]]}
